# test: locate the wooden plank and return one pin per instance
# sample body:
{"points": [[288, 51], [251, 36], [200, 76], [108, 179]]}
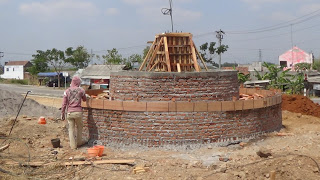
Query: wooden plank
{"points": [[74, 163], [4, 147], [194, 57], [176, 34], [130, 161], [204, 63], [166, 52], [147, 56], [156, 63], [178, 67], [155, 53]]}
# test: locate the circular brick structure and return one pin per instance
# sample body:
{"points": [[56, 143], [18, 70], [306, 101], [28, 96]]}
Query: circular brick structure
{"points": [[159, 109]]}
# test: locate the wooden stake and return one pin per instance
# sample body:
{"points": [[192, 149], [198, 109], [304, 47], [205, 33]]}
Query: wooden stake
{"points": [[147, 56], [272, 175], [157, 62], [4, 147], [75, 163], [204, 63], [194, 57], [178, 67], [155, 52], [166, 51]]}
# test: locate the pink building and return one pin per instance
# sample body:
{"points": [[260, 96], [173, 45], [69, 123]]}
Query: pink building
{"points": [[294, 56]]}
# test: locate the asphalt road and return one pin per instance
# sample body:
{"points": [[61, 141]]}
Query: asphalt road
{"points": [[36, 90]]}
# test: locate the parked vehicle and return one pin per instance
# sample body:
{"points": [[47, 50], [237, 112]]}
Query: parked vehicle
{"points": [[54, 82]]}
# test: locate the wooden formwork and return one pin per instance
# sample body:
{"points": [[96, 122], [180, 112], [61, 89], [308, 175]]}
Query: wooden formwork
{"points": [[173, 52]]}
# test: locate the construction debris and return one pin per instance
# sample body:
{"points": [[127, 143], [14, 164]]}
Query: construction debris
{"points": [[139, 169], [284, 134], [4, 147], [247, 96], [264, 152]]}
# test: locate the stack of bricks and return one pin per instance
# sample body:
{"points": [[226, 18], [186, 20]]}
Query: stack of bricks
{"points": [[158, 123]]}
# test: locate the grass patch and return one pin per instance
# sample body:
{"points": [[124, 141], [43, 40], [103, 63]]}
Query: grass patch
{"points": [[14, 81], [19, 81]]}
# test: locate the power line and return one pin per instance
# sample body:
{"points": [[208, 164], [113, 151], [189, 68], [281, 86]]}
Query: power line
{"points": [[281, 25]]}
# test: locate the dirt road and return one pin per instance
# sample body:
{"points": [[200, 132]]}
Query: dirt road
{"points": [[36, 90]]}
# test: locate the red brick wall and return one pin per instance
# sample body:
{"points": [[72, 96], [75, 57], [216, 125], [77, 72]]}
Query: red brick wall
{"points": [[145, 86], [155, 129]]}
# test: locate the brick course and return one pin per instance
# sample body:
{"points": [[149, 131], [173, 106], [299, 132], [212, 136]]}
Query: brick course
{"points": [[155, 129], [204, 86]]}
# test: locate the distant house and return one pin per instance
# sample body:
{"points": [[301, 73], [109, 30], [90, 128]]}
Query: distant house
{"points": [[16, 70], [98, 76], [294, 56]]}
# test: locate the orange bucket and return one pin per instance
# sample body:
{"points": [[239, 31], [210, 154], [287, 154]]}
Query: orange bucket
{"points": [[42, 120], [93, 152], [101, 149]]}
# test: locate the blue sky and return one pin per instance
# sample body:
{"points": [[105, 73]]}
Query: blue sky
{"points": [[30, 25]]}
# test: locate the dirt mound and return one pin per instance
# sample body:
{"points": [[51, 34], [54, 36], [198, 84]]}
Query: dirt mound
{"points": [[11, 101], [300, 104]]}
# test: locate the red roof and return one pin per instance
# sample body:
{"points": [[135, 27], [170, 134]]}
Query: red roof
{"points": [[17, 63]]}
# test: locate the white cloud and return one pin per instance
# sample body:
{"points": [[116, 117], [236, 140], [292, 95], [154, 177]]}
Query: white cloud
{"points": [[281, 16], [112, 11], [58, 9]]}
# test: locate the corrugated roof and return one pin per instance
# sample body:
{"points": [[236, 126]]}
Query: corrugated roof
{"points": [[48, 74], [101, 70], [17, 63]]}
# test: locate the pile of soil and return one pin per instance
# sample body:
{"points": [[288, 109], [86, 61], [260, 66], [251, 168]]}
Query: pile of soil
{"points": [[300, 104], [10, 103]]}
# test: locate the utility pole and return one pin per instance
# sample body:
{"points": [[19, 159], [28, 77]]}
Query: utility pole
{"points": [[168, 11], [260, 55], [1, 55], [291, 66], [219, 35]]}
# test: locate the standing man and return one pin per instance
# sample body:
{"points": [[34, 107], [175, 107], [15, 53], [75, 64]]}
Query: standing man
{"points": [[72, 102]]}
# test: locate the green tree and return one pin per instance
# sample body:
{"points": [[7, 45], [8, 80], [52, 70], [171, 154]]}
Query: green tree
{"points": [[280, 79], [55, 58], [296, 85], [316, 65], [39, 64], [145, 51], [302, 66], [113, 57], [132, 60], [208, 50], [80, 58], [243, 77]]}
